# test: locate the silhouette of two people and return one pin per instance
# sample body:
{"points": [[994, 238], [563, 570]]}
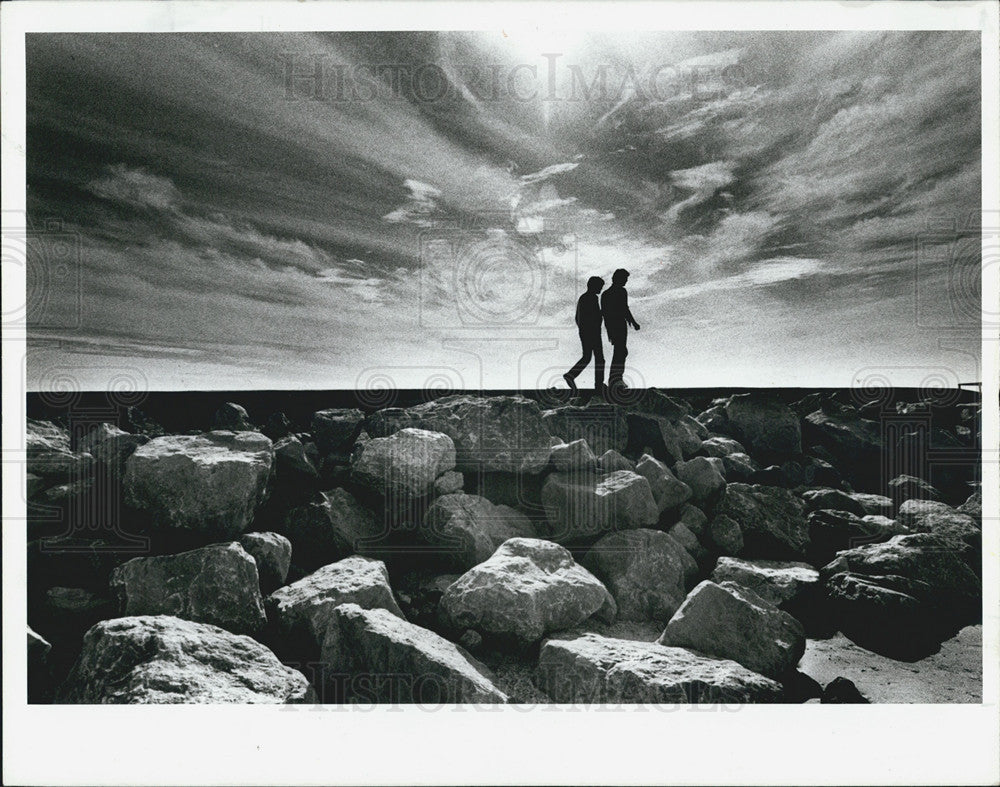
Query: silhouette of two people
{"points": [[613, 311]]}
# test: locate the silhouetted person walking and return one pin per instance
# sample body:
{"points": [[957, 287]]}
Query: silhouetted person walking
{"points": [[588, 322], [617, 318]]}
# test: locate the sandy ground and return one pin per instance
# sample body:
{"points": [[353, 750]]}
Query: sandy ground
{"points": [[952, 675]]}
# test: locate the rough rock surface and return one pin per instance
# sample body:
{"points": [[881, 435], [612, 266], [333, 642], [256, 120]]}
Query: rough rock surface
{"points": [[771, 519], [217, 584], [655, 434], [973, 506], [331, 526], [603, 426], [111, 446], [854, 443], [596, 669], [211, 483], [774, 581], [766, 426], [527, 589], [726, 535], [449, 483], [721, 446], [879, 505], [273, 554], [645, 570], [611, 460], [231, 417], [163, 659], [733, 622], [740, 468], [305, 606], [402, 662], [491, 434], [668, 491], [834, 499], [587, 505], [703, 477], [928, 516], [335, 430], [292, 461], [832, 531], [405, 464], [469, 528], [48, 452], [574, 456], [908, 487]]}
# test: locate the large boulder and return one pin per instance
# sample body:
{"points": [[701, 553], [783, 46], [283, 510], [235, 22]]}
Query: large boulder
{"points": [[611, 460], [273, 555], [739, 468], [448, 483], [331, 526], [574, 456], [491, 434], [655, 433], [929, 516], [733, 622], [771, 519], [721, 446], [831, 531], [596, 669], [854, 443], [211, 483], [780, 583], [163, 659], [48, 452], [973, 506], [908, 487], [527, 589], [111, 446], [705, 478], [668, 491], [406, 464], [292, 461], [336, 430], [579, 506], [232, 417], [217, 584], [875, 505], [388, 659], [469, 528], [645, 570], [834, 499], [765, 426], [302, 610], [603, 426], [656, 402]]}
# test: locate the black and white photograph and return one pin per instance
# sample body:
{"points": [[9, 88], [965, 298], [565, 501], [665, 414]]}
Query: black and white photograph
{"points": [[467, 383]]}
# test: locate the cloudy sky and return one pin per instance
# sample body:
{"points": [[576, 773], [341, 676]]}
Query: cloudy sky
{"points": [[427, 211]]}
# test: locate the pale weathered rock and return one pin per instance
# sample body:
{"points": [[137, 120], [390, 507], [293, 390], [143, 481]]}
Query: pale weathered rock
{"points": [[645, 570], [273, 554], [336, 430], [596, 669], [231, 417], [703, 478], [721, 446], [491, 434], [771, 519], [305, 606], [575, 456], [833, 499], [733, 622], [217, 584], [469, 528], [331, 526], [611, 460], [448, 483], [766, 426], [402, 662], [405, 464], [875, 504], [777, 582], [583, 505], [527, 589], [211, 483], [111, 446], [603, 426], [163, 659], [48, 452], [929, 516], [668, 491]]}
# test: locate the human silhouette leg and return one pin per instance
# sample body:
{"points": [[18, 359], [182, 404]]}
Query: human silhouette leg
{"points": [[579, 366], [617, 363], [598, 367]]}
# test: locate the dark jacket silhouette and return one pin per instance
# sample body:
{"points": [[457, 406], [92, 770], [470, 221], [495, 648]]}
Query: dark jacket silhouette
{"points": [[617, 319], [588, 323]]}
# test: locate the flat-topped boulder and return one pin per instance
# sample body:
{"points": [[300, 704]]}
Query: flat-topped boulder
{"points": [[765, 425], [302, 609], [490, 434], [217, 584], [647, 572], [212, 483], [405, 464], [731, 621], [775, 581], [527, 589], [401, 662], [579, 506], [771, 519], [469, 528], [596, 669], [163, 659]]}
